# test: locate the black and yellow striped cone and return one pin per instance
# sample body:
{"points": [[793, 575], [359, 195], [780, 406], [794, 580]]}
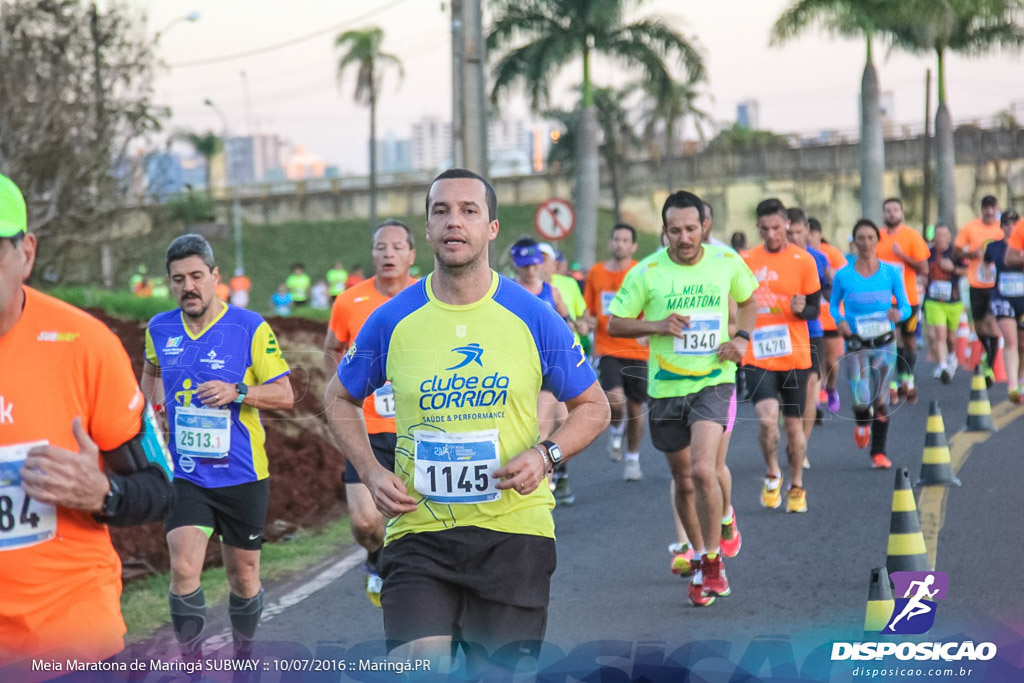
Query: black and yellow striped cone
{"points": [[880, 602], [936, 467], [906, 551], [979, 410]]}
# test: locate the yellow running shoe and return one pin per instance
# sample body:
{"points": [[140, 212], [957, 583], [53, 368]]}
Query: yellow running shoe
{"points": [[796, 499], [771, 493]]}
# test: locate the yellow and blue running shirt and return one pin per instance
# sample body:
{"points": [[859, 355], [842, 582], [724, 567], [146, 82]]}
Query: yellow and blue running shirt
{"points": [[238, 346], [466, 380], [657, 287]]}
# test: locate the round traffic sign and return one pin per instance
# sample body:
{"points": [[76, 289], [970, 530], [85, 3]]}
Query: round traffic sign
{"points": [[555, 219]]}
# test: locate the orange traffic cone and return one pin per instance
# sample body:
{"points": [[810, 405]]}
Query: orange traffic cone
{"points": [[998, 369]]}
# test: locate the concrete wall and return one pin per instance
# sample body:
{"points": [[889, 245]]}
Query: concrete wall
{"points": [[824, 180]]}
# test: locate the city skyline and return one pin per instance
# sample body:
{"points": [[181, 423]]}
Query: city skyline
{"points": [[810, 85]]}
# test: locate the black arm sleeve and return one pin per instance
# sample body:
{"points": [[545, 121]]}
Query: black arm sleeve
{"points": [[146, 496], [812, 308], [140, 468]]}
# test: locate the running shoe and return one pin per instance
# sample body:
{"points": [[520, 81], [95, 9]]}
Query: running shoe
{"points": [[990, 377], [373, 584], [894, 393], [1015, 396], [695, 589], [614, 446], [951, 365], [939, 371], [713, 570], [731, 538], [563, 494], [682, 558], [862, 435], [833, 401], [945, 376], [631, 470], [880, 462], [911, 394], [822, 396], [807, 462], [796, 499], [771, 496]]}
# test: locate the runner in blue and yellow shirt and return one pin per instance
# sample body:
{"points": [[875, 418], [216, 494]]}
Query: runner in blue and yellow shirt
{"points": [[219, 366], [469, 551]]}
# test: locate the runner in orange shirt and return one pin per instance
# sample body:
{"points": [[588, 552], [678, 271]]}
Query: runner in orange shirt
{"points": [[778, 358], [833, 340], [903, 247], [393, 255], [78, 451], [622, 363], [970, 244]]}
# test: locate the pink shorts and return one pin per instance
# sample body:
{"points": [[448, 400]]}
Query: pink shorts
{"points": [[732, 413]]}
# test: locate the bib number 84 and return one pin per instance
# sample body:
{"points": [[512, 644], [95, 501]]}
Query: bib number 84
{"points": [[7, 517]]}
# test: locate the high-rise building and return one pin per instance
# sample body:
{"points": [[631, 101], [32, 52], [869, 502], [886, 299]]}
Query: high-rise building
{"points": [[748, 114], [393, 155], [431, 143]]}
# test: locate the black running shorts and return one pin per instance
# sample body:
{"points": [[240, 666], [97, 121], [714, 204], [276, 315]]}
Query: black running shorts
{"points": [[383, 446], [482, 587], [980, 302], [626, 374], [235, 513], [789, 387], [671, 418]]}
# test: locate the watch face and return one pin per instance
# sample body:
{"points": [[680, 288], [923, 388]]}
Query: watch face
{"points": [[555, 452]]}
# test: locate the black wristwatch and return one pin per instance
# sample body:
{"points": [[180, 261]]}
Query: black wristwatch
{"points": [[112, 501], [554, 452], [242, 390], [742, 334]]}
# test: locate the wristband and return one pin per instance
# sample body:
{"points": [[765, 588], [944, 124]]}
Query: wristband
{"points": [[743, 334], [548, 465]]}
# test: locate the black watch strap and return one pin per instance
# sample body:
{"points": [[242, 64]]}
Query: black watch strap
{"points": [[742, 334]]}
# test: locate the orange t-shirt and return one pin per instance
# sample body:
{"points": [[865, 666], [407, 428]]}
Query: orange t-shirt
{"points": [[598, 292], [913, 246], [973, 236], [1016, 238], [61, 591], [350, 311], [239, 282], [837, 261], [780, 340], [223, 292]]}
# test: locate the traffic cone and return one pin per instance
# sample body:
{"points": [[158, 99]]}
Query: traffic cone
{"points": [[906, 552], [998, 369], [880, 602], [963, 333], [975, 352], [979, 410], [936, 467]]}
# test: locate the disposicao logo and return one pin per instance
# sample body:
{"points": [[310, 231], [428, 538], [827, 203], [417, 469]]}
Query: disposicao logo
{"points": [[916, 593], [913, 613]]}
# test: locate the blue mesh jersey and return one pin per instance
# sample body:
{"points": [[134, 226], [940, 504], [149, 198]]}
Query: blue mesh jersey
{"points": [[867, 299], [814, 327], [238, 346], [466, 380]]}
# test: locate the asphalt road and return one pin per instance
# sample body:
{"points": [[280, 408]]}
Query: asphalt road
{"points": [[799, 583]]}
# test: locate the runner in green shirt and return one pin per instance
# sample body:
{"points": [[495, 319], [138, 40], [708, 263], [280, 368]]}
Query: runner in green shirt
{"points": [[683, 294], [336, 278], [298, 284]]}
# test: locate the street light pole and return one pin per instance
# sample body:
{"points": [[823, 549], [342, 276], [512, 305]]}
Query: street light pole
{"points": [[236, 205]]}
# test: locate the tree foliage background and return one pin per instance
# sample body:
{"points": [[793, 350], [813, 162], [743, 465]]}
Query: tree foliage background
{"points": [[75, 91]]}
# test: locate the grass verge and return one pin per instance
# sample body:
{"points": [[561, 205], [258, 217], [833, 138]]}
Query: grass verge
{"points": [[144, 602]]}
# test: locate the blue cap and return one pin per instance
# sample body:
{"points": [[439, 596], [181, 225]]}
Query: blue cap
{"points": [[527, 255]]}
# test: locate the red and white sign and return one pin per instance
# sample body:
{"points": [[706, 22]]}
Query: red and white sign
{"points": [[555, 219]]}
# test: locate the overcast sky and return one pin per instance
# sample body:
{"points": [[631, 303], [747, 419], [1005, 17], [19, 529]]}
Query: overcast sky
{"points": [[811, 84]]}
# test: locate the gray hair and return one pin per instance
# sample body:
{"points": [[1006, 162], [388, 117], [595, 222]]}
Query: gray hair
{"points": [[190, 245]]}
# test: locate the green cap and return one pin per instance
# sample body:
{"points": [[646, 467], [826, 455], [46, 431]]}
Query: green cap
{"points": [[13, 218]]}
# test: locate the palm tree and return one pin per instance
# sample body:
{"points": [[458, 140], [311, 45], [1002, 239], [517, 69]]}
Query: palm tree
{"points": [[362, 50], [669, 108], [207, 145], [549, 34], [971, 27], [852, 18], [617, 136]]}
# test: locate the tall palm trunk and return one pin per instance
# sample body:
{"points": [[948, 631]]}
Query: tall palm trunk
{"points": [[373, 150], [872, 143], [670, 144], [588, 181], [945, 161]]}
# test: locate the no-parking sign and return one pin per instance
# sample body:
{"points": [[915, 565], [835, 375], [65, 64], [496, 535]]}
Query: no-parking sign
{"points": [[555, 219]]}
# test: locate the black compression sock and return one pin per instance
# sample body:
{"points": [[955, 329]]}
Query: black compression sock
{"points": [[188, 615], [245, 617]]}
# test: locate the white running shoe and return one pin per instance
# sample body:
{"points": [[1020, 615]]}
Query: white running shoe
{"points": [[631, 471], [615, 446]]}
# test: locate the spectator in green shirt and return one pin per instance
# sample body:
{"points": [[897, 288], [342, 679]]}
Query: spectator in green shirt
{"points": [[336, 278], [298, 284]]}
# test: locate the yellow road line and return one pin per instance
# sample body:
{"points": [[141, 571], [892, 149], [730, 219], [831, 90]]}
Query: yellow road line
{"points": [[932, 504]]}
